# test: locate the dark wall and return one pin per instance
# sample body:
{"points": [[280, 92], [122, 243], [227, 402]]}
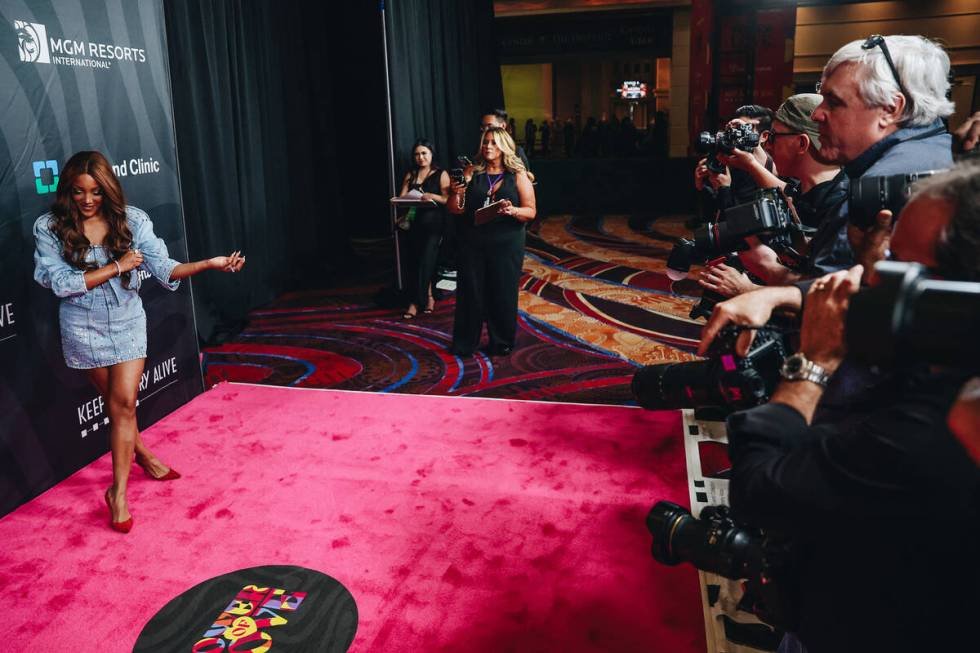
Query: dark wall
{"points": [[444, 75], [648, 186]]}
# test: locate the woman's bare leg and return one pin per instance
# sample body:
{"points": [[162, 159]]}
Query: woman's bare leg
{"points": [[124, 383], [100, 379]]}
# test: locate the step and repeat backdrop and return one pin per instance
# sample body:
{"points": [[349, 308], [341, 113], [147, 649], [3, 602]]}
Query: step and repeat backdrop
{"points": [[81, 75]]}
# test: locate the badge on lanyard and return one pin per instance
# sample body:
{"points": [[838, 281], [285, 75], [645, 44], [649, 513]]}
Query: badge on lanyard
{"points": [[490, 192]]}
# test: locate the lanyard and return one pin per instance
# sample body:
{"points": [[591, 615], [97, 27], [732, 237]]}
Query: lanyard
{"points": [[491, 194]]}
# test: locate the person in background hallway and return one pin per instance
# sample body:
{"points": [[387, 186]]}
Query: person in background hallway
{"points": [[530, 135], [661, 131], [512, 129], [491, 254], [627, 137], [545, 137], [588, 145], [427, 226], [569, 132], [90, 250]]}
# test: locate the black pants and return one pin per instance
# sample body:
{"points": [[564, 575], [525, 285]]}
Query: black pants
{"points": [[423, 246], [489, 270]]}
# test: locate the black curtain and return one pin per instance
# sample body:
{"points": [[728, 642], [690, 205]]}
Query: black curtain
{"points": [[279, 111], [444, 75]]}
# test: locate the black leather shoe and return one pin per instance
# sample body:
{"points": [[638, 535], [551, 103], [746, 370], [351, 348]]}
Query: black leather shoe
{"points": [[459, 352], [502, 350]]}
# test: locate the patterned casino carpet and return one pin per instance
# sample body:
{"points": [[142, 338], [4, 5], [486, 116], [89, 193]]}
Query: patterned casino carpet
{"points": [[594, 304]]}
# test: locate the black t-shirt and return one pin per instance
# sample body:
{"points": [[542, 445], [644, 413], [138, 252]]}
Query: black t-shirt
{"points": [[822, 201], [885, 513], [431, 184]]}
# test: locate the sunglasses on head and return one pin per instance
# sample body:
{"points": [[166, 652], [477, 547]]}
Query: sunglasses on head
{"points": [[878, 41]]}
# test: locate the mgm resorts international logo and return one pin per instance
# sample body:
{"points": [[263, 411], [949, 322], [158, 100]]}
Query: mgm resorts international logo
{"points": [[35, 46]]}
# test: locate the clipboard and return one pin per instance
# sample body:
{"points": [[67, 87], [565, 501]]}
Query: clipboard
{"points": [[408, 202], [487, 213]]}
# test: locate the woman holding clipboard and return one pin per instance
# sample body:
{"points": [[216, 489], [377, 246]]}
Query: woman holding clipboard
{"points": [[495, 206]]}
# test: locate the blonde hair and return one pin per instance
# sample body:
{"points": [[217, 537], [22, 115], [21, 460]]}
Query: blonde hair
{"points": [[505, 143]]}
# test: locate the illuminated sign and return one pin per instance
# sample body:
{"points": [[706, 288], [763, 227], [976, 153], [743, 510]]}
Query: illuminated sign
{"points": [[632, 90]]}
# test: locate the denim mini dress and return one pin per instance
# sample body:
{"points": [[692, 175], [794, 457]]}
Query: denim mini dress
{"points": [[107, 324]]}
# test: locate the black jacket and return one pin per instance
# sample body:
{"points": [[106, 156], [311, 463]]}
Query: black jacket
{"points": [[885, 514]]}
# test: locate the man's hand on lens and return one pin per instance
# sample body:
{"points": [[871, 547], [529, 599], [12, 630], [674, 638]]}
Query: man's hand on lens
{"points": [[964, 418], [871, 246], [751, 309], [967, 135], [738, 159], [822, 333], [725, 280]]}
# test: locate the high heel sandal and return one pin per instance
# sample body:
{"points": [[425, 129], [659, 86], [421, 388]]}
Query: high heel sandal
{"points": [[431, 306], [171, 475], [118, 526]]}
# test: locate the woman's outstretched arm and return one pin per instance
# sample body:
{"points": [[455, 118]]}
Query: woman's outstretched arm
{"points": [[231, 263]]}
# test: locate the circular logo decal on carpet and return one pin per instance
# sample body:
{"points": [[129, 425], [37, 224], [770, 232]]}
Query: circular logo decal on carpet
{"points": [[272, 608]]}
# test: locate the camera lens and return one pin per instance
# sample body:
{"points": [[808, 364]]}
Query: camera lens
{"points": [[677, 385], [662, 521]]}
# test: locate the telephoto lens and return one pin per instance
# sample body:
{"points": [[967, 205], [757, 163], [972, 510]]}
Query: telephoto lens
{"points": [[867, 196], [724, 380], [713, 543], [908, 316]]}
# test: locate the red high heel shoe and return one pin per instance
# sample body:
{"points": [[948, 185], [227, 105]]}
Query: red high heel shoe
{"points": [[171, 475], [118, 526]]}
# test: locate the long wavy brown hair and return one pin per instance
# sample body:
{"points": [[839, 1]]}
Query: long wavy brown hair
{"points": [[67, 224]]}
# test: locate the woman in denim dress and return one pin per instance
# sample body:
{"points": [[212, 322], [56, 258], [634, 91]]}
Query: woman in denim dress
{"points": [[89, 249]]}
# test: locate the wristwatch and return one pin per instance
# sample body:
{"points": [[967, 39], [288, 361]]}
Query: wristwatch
{"points": [[798, 368]]}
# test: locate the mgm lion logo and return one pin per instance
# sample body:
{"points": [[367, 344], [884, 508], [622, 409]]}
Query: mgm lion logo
{"points": [[32, 42]]}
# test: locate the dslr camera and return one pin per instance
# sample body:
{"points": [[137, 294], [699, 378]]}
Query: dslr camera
{"points": [[718, 543], [767, 214], [869, 195], [737, 136], [909, 317], [725, 381]]}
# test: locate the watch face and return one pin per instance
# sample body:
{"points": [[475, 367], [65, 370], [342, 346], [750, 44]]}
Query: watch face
{"points": [[793, 365]]}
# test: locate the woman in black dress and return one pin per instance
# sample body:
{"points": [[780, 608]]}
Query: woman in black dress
{"points": [[426, 227], [492, 253]]}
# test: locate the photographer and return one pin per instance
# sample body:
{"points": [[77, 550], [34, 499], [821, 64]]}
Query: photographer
{"points": [[793, 143], [882, 110], [871, 577], [733, 187]]}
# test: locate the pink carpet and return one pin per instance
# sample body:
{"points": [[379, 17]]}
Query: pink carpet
{"points": [[457, 524]]}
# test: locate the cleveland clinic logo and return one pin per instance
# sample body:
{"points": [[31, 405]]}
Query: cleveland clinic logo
{"points": [[35, 46], [45, 176], [32, 42]]}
